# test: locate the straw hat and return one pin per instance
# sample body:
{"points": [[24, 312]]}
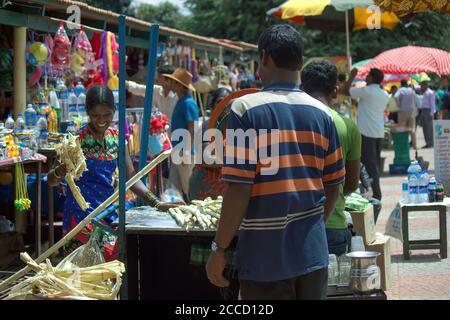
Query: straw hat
{"points": [[183, 77]]}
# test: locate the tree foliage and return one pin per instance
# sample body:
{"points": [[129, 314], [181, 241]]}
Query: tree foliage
{"points": [[166, 14]]}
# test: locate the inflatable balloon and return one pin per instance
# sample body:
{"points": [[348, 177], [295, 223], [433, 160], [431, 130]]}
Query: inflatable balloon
{"points": [[37, 53], [35, 76]]}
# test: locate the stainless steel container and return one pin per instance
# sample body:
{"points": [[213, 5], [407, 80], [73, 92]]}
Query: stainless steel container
{"points": [[365, 273]]}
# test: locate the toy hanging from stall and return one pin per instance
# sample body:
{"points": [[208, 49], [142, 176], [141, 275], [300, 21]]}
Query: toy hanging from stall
{"points": [[22, 202], [82, 57], [61, 48], [158, 140]]}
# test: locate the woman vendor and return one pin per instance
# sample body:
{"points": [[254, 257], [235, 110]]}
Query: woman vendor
{"points": [[100, 145], [206, 179]]}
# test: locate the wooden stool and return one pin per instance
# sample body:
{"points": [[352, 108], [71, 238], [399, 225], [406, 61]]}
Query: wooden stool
{"points": [[440, 243]]}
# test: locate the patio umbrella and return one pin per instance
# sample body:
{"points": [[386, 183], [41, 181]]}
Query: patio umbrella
{"points": [[410, 60], [333, 15], [392, 78], [406, 7]]}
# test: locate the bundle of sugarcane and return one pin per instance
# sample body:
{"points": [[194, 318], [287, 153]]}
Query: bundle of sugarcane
{"points": [[102, 281], [71, 154], [204, 214]]}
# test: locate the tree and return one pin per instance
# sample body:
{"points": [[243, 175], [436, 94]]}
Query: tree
{"points": [[166, 14]]}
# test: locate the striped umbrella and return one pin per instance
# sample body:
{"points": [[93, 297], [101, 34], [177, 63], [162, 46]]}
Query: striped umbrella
{"points": [[406, 7], [388, 78], [410, 60]]}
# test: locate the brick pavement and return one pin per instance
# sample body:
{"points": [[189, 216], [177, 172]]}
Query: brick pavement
{"points": [[425, 276]]}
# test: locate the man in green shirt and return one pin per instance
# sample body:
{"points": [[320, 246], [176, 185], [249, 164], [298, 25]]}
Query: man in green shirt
{"points": [[319, 80]]}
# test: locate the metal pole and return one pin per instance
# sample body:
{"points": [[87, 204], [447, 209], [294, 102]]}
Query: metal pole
{"points": [[148, 104], [347, 36], [20, 64], [122, 146]]}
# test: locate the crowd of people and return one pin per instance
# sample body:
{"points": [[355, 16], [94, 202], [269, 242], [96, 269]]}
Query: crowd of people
{"points": [[289, 221]]}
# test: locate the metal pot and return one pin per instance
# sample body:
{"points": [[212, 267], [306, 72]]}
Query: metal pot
{"points": [[365, 274]]}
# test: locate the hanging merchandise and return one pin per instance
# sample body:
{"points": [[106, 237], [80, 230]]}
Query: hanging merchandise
{"points": [[37, 53], [61, 48], [82, 57], [194, 66], [158, 139], [34, 74], [112, 50], [22, 202]]}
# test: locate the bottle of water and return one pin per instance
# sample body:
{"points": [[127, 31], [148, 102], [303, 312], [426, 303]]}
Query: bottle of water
{"points": [[413, 180], [19, 125], [432, 190], [116, 103], [9, 123], [405, 191], [81, 105], [79, 89], [423, 186], [72, 101], [63, 95], [54, 104], [30, 117], [42, 130]]}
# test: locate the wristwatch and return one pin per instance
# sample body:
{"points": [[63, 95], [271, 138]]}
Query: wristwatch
{"points": [[216, 249]]}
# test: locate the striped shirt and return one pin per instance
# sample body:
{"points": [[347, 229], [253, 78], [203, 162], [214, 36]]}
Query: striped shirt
{"points": [[295, 153]]}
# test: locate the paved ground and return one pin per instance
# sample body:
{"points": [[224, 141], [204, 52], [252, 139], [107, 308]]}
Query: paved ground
{"points": [[425, 275]]}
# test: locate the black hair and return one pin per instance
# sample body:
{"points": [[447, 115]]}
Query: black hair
{"points": [[284, 45], [377, 75], [99, 94], [246, 84], [216, 95], [166, 69], [342, 77], [404, 83], [319, 76]]}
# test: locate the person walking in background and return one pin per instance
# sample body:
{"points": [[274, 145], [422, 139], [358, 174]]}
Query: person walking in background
{"points": [[280, 212], [372, 103], [426, 113], [319, 80], [393, 105], [185, 116], [406, 100], [446, 105]]}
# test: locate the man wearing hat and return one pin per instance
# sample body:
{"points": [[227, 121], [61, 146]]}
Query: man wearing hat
{"points": [[184, 117]]}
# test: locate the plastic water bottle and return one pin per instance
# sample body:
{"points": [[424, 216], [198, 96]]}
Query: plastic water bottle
{"points": [[432, 186], [413, 180], [54, 103], [81, 106], [62, 94], [42, 130], [30, 117], [405, 191], [19, 125], [9, 123], [423, 186], [79, 89], [72, 101], [116, 103]]}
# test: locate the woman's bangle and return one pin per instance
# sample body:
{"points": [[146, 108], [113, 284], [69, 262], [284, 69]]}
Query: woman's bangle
{"points": [[152, 200], [56, 175]]}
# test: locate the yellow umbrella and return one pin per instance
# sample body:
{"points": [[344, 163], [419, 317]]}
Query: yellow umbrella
{"points": [[332, 14]]}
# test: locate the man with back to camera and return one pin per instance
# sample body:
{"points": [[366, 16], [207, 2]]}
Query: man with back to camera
{"points": [[319, 80], [426, 113], [282, 247], [406, 100], [372, 103]]}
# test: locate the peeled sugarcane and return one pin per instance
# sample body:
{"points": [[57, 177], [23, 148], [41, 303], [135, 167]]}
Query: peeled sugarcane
{"points": [[87, 220], [50, 282], [71, 154]]}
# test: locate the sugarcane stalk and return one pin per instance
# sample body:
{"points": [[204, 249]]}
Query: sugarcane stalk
{"points": [[87, 220]]}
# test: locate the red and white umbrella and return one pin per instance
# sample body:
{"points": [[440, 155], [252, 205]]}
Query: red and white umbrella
{"points": [[410, 60]]}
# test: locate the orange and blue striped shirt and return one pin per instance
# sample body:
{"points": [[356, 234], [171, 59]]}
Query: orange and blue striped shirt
{"points": [[284, 143]]}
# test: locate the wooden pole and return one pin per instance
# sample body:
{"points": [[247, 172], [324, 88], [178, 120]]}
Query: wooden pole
{"points": [[347, 41], [20, 70], [19, 274]]}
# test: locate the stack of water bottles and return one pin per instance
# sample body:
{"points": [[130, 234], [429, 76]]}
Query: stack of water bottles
{"points": [[77, 115], [418, 187]]}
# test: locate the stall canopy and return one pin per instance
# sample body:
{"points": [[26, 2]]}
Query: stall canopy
{"points": [[403, 8], [410, 60], [44, 16]]}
